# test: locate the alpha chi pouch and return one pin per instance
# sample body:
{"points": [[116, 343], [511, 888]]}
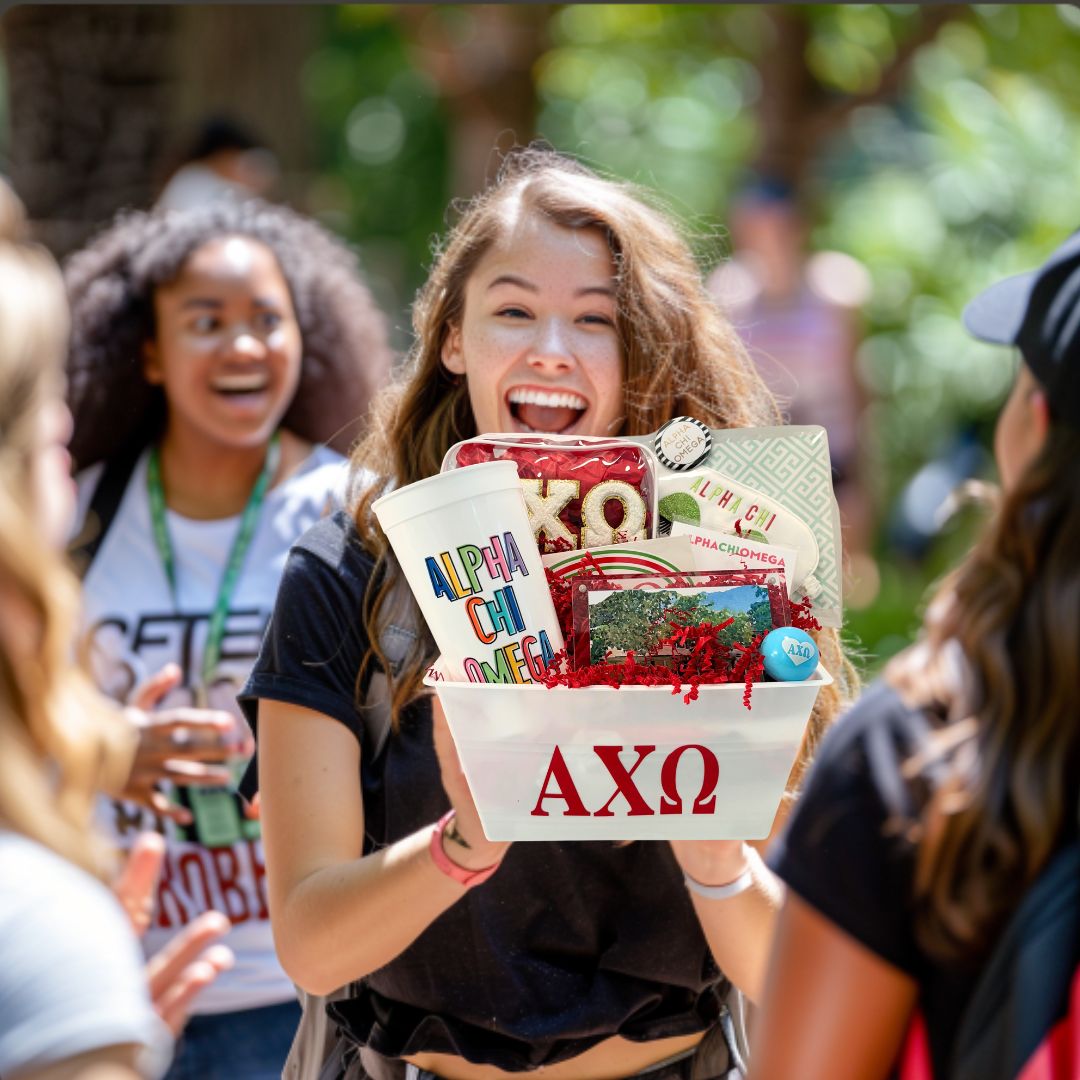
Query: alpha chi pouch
{"points": [[580, 492], [784, 470], [710, 500]]}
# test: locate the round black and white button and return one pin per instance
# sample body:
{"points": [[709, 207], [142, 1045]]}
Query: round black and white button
{"points": [[682, 443]]}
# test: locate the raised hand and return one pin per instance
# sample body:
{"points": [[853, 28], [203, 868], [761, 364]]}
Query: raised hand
{"points": [[191, 960], [179, 745]]}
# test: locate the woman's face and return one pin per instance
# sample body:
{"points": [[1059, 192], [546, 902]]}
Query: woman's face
{"points": [[52, 486], [227, 349], [537, 341], [1021, 428]]}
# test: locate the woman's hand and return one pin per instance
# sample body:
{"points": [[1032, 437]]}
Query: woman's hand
{"points": [[179, 745], [190, 961], [477, 852], [738, 925], [712, 862]]}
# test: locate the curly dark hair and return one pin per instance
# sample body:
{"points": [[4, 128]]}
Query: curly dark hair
{"points": [[111, 283]]}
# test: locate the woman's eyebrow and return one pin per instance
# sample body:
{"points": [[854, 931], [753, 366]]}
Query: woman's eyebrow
{"points": [[522, 283], [201, 302], [513, 279]]}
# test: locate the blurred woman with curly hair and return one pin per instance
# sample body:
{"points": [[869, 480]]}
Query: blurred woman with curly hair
{"points": [[211, 350]]}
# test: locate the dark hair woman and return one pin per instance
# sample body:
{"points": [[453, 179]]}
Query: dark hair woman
{"points": [[210, 350], [952, 785]]}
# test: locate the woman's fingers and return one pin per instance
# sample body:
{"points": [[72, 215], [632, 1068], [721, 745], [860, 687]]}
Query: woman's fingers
{"points": [[174, 1003], [196, 734], [147, 695], [164, 968], [164, 807], [134, 888]]}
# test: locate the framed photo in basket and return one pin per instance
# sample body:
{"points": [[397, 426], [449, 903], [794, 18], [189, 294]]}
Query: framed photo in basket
{"points": [[617, 614]]}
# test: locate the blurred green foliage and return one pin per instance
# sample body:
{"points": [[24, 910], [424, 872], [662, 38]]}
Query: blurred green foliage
{"points": [[382, 141]]}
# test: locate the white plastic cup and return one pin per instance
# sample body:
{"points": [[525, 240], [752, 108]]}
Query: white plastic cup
{"points": [[466, 546]]}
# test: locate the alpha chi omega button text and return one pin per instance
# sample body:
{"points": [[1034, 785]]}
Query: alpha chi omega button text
{"points": [[682, 443]]}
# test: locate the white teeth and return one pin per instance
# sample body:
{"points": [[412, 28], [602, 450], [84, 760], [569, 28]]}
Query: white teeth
{"points": [[240, 384], [565, 400]]}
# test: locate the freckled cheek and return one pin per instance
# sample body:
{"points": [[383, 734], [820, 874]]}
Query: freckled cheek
{"points": [[604, 366], [487, 352]]}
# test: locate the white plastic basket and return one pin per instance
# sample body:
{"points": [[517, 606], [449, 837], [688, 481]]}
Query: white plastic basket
{"points": [[507, 736]]}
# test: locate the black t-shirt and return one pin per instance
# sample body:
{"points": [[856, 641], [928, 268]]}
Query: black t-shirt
{"points": [[568, 944], [843, 854]]}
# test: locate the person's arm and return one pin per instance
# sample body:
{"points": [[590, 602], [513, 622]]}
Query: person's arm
{"points": [[107, 1063], [832, 1008], [338, 915], [739, 929]]}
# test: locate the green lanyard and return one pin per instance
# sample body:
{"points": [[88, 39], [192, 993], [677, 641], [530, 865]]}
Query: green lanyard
{"points": [[248, 520]]}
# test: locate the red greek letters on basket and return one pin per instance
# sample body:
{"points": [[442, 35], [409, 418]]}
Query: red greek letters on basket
{"points": [[559, 783]]}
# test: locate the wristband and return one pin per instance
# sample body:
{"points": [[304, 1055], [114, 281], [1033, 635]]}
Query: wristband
{"points": [[461, 874], [721, 892]]}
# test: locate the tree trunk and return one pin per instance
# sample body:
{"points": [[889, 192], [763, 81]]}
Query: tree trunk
{"points": [[790, 97], [103, 97], [246, 60], [87, 90], [481, 58]]}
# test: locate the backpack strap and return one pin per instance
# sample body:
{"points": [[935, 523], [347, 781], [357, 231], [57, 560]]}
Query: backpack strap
{"points": [[1024, 987], [395, 641], [399, 633], [104, 503]]}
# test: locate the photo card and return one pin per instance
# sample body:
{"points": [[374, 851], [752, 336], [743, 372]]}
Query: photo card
{"points": [[616, 614]]}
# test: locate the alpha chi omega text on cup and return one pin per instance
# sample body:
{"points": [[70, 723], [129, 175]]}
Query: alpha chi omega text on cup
{"points": [[466, 547]]}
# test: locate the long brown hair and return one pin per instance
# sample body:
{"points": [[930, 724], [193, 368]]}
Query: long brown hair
{"points": [[997, 668], [59, 743], [682, 357]]}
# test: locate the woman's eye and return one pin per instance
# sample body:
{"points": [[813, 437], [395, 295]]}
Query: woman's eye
{"points": [[514, 312], [206, 324], [597, 320], [267, 320]]}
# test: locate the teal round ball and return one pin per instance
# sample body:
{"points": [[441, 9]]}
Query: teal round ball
{"points": [[790, 654]]}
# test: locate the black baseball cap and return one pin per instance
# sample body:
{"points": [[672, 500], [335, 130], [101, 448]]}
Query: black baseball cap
{"points": [[1039, 312]]}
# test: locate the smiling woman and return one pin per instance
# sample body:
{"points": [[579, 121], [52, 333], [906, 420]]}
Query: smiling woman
{"points": [[537, 344], [561, 302], [210, 350]]}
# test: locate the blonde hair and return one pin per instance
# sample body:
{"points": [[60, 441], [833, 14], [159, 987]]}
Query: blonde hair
{"points": [[59, 742], [682, 357]]}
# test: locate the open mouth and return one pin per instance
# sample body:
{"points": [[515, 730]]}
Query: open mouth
{"points": [[254, 382], [549, 412]]}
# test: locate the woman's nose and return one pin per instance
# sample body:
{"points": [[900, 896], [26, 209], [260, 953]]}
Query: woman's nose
{"points": [[244, 344], [551, 352]]}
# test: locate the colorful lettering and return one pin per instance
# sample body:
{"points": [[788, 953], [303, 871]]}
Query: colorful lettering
{"points": [[472, 558], [471, 605], [438, 582]]}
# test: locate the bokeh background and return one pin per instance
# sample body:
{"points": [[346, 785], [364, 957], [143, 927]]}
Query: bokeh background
{"points": [[915, 154]]}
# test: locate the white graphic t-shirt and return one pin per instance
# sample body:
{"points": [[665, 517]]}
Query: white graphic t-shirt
{"points": [[133, 629]]}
